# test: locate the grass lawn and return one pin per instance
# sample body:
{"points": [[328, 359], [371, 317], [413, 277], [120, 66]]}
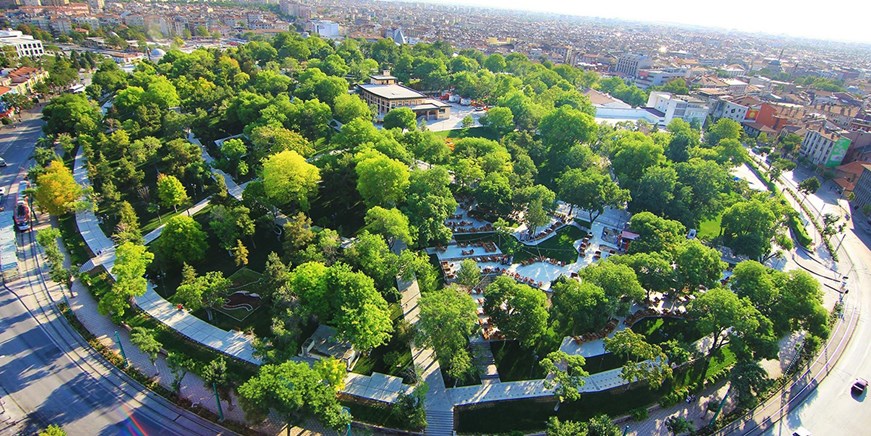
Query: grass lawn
{"points": [[473, 132], [393, 358], [710, 229], [659, 330], [72, 239], [514, 362], [558, 247], [603, 362], [374, 412]]}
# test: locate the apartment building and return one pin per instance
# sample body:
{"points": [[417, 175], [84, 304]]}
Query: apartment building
{"points": [[825, 145], [674, 106], [25, 45], [630, 63]]}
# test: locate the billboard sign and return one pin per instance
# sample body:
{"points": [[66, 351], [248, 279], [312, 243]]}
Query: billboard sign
{"points": [[839, 151]]}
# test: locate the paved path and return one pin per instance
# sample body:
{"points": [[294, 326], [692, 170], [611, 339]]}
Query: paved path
{"points": [[439, 407], [231, 343], [193, 210], [233, 188]]}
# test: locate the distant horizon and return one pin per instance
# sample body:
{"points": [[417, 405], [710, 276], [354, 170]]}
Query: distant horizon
{"points": [[795, 21]]}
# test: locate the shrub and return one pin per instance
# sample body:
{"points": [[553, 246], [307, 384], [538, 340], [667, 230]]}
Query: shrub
{"points": [[638, 413]]}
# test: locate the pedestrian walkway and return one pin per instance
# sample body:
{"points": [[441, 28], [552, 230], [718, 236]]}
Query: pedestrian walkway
{"points": [[193, 210], [438, 405], [230, 343], [233, 188]]}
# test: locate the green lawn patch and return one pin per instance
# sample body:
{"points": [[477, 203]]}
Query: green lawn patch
{"points": [[710, 228], [515, 362], [472, 132], [72, 239], [603, 362], [659, 330], [375, 412], [558, 247]]}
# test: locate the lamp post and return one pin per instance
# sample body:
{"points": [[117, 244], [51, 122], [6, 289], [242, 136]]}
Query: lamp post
{"points": [[625, 430], [121, 346], [218, 400]]}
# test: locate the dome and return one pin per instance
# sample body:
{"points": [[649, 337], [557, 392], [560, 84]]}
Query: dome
{"points": [[157, 53]]}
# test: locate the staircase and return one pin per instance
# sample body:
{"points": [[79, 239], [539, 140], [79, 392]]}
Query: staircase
{"points": [[484, 361], [439, 423]]}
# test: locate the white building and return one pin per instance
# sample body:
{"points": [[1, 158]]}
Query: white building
{"points": [[324, 28], [678, 106], [826, 146], [25, 45], [629, 64]]}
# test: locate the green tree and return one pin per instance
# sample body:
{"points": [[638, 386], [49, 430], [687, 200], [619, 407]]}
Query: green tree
{"points": [[619, 283], [495, 63], [70, 113], [390, 223], [347, 107], [539, 202], [447, 319], [809, 186], [182, 240], [400, 118], [733, 320], [678, 424], [269, 140], [170, 191], [565, 375], [428, 203], [698, 265], [749, 227], [578, 307], [56, 190], [53, 430], [469, 274], [518, 310], [724, 128], [206, 291], [566, 127], [232, 152], [590, 190], [231, 223], [555, 427], [653, 270], [381, 181], [656, 234], [295, 391], [145, 341], [127, 229], [499, 120], [644, 361], [297, 233], [128, 271], [287, 178]]}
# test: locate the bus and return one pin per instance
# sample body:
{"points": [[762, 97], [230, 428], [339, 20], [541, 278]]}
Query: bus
{"points": [[22, 214]]}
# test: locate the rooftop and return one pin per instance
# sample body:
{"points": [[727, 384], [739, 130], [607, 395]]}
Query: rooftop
{"points": [[391, 92]]}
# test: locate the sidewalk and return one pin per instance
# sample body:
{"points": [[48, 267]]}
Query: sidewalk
{"points": [[438, 401], [84, 307]]}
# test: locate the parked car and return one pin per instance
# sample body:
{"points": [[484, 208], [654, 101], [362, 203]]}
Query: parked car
{"points": [[801, 431], [3, 162], [859, 386]]}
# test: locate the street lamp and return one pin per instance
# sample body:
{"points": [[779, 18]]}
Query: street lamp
{"points": [[625, 430]]}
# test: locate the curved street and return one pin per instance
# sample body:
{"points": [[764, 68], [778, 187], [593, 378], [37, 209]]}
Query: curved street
{"points": [[831, 409], [48, 373]]}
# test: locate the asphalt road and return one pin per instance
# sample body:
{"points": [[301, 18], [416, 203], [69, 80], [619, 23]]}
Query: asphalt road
{"points": [[48, 374], [831, 409]]}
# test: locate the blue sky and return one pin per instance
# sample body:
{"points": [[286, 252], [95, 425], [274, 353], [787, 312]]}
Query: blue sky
{"points": [[840, 20]]}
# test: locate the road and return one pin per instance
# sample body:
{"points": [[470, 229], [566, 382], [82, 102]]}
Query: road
{"points": [[830, 409], [48, 374]]}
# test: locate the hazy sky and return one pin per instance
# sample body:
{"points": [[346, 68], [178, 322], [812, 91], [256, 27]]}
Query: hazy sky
{"points": [[843, 20]]}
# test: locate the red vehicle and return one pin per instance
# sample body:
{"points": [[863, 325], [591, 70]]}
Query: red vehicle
{"points": [[22, 215]]}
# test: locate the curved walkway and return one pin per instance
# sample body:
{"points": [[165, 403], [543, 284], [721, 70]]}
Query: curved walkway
{"points": [[234, 344]]}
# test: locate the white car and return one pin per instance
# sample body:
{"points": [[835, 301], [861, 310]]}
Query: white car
{"points": [[2, 192]]}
